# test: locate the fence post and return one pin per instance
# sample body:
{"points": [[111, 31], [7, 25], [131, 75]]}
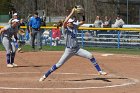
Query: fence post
{"points": [[82, 35], [118, 39]]}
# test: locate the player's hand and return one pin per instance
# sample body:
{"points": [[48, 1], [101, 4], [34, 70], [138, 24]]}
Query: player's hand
{"points": [[31, 33], [73, 10]]}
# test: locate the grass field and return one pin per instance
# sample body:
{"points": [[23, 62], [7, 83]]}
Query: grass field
{"points": [[134, 51]]}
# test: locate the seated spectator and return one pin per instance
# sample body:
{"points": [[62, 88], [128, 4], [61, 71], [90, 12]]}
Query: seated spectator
{"points": [[28, 37], [21, 35], [46, 36], [87, 36], [75, 20], [118, 23], [55, 35], [107, 22], [98, 22]]}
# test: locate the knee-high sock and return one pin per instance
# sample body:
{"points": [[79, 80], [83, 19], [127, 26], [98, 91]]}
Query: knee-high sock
{"points": [[12, 57], [50, 71], [93, 60], [8, 58]]}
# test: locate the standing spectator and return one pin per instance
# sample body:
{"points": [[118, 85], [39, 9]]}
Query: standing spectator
{"points": [[56, 35], [34, 27], [118, 23]]}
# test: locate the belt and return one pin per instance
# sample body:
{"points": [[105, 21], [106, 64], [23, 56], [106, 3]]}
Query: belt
{"points": [[35, 28], [73, 47]]}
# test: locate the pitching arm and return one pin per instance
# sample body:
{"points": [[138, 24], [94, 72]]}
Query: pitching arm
{"points": [[68, 17]]}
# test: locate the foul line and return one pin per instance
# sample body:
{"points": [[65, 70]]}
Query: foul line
{"points": [[82, 88]]}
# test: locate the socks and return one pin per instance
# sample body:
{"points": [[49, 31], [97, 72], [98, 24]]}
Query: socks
{"points": [[50, 71], [93, 60], [8, 58], [12, 57]]}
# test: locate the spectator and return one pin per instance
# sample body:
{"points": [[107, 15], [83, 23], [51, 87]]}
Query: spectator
{"points": [[107, 22], [56, 35], [34, 27], [75, 20], [14, 16], [87, 36], [43, 23], [20, 35], [11, 12], [98, 22], [28, 31], [118, 23]]}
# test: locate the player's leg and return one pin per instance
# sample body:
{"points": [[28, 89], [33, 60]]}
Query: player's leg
{"points": [[87, 54], [7, 46], [67, 54], [13, 53]]}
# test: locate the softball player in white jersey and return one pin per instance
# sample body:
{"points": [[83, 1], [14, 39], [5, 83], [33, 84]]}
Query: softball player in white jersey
{"points": [[72, 47]]}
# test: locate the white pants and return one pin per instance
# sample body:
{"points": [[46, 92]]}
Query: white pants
{"points": [[71, 52]]}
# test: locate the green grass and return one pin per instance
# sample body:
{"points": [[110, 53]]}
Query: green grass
{"points": [[134, 51]]}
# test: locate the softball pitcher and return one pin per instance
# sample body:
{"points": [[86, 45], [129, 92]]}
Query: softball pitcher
{"points": [[7, 34], [72, 47]]}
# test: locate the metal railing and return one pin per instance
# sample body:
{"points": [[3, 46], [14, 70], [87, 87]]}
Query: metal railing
{"points": [[102, 37]]}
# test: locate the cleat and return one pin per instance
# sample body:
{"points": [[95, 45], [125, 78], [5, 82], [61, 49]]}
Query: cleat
{"points": [[42, 78], [102, 73], [10, 66], [20, 50], [15, 65]]}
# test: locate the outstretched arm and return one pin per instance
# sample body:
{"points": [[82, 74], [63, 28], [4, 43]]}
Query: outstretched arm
{"points": [[68, 17]]}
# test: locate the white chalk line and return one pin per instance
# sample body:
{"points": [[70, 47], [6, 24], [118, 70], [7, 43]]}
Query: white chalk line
{"points": [[105, 55], [133, 81], [40, 73], [130, 56]]}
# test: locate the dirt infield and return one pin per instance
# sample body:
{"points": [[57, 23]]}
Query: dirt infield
{"points": [[77, 75]]}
